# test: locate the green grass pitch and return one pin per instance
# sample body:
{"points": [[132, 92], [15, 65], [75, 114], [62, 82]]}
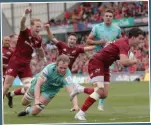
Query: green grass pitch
{"points": [[127, 102]]}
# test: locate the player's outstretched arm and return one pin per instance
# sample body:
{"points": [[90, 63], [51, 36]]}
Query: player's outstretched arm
{"points": [[91, 41], [125, 61], [50, 34], [74, 101], [23, 19], [41, 54], [88, 48], [41, 80]]}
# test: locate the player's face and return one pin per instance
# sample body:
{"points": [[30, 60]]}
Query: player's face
{"points": [[36, 28], [14, 41], [72, 41], [62, 67], [108, 18], [138, 41], [6, 41]]}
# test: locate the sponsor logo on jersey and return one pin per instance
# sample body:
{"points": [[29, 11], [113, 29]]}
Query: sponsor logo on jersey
{"points": [[69, 79], [30, 44]]}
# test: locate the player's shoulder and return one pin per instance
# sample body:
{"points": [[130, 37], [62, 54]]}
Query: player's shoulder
{"points": [[97, 25], [50, 66], [47, 69], [122, 41], [68, 72], [62, 42], [26, 30]]}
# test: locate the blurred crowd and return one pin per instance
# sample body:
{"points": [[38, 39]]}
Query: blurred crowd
{"points": [[92, 12], [80, 65]]}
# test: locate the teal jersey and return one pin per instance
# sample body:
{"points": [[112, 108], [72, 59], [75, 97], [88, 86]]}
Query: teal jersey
{"points": [[103, 32], [54, 81]]}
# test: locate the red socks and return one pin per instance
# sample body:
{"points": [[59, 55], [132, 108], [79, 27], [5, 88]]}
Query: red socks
{"points": [[18, 92], [88, 102]]}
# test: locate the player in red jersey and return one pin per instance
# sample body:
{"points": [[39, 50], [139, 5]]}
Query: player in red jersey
{"points": [[98, 68], [19, 64], [70, 49], [6, 53]]}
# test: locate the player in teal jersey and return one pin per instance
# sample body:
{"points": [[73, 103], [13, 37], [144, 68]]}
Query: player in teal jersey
{"points": [[101, 35], [46, 85]]}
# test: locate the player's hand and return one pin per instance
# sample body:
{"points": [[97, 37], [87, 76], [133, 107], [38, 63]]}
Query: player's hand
{"points": [[135, 61], [27, 11], [75, 108], [47, 26], [119, 65], [103, 42]]}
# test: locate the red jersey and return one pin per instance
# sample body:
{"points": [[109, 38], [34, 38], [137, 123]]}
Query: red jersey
{"points": [[111, 53], [25, 45], [7, 53], [71, 52]]}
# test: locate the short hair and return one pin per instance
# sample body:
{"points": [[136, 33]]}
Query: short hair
{"points": [[12, 35], [63, 58], [108, 10], [72, 34], [32, 22], [135, 32]]}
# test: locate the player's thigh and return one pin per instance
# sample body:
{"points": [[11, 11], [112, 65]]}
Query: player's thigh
{"points": [[9, 80], [13, 68], [96, 72], [25, 71], [46, 97]]}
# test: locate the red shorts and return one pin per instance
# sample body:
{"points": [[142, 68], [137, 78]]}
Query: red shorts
{"points": [[96, 68], [16, 67]]}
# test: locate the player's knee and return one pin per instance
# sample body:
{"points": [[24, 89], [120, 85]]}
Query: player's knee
{"points": [[27, 98], [24, 102], [102, 93], [26, 82], [7, 83]]}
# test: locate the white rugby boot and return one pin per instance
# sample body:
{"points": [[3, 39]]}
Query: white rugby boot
{"points": [[80, 116]]}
